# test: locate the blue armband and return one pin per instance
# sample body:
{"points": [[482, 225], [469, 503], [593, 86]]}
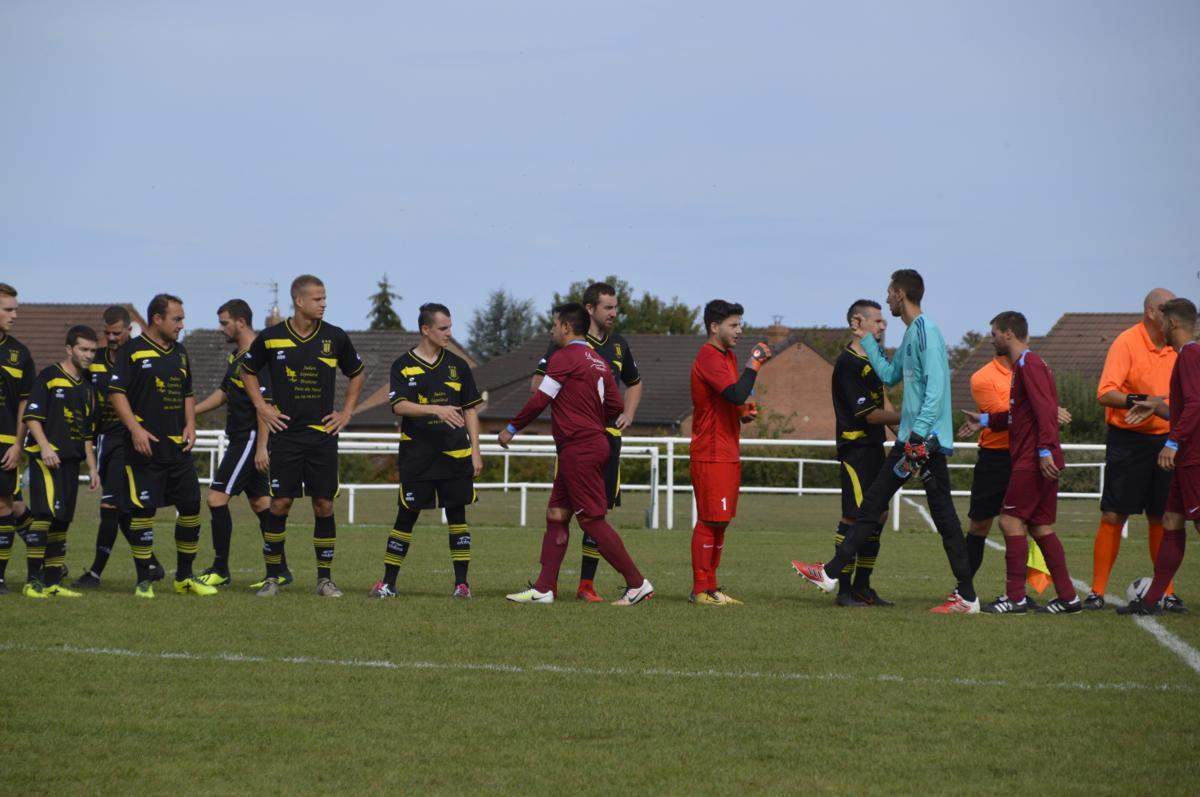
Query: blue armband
{"points": [[984, 417], [511, 429], [1171, 444], [1045, 452]]}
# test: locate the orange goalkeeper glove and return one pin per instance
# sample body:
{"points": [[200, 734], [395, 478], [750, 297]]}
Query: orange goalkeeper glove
{"points": [[759, 356]]}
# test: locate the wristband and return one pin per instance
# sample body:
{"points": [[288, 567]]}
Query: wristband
{"points": [[1171, 444], [984, 417], [510, 429], [1130, 398], [1045, 452]]}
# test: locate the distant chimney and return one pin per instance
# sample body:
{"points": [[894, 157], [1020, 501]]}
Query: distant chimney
{"points": [[777, 333], [273, 316]]}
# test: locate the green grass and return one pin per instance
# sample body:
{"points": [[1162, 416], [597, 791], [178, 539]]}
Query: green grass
{"points": [[785, 694]]}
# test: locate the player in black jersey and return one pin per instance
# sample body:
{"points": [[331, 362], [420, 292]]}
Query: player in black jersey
{"points": [[16, 379], [600, 300], [151, 391], [434, 393], [243, 467], [303, 355], [110, 454], [862, 415], [61, 415]]}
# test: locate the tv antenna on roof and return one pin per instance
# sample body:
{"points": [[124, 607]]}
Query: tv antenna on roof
{"points": [[273, 287]]}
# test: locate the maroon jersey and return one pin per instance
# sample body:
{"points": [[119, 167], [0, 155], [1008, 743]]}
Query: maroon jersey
{"points": [[1185, 406], [1032, 417], [584, 393]]}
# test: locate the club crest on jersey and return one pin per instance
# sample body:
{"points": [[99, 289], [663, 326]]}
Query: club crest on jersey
{"points": [[326, 347], [617, 348], [14, 356], [183, 360], [453, 372]]}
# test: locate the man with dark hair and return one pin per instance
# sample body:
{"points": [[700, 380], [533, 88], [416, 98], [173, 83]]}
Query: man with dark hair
{"points": [[600, 302], [61, 416], [720, 402], [925, 439], [1133, 389], [16, 380], [434, 394], [110, 454], [1030, 503], [243, 466], [151, 392], [1180, 454], [862, 415], [303, 355], [585, 399]]}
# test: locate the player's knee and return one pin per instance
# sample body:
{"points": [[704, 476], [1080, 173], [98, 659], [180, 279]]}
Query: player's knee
{"points": [[1011, 526], [281, 506], [456, 515], [1154, 520], [557, 514], [257, 505], [322, 507], [107, 506], [217, 499], [980, 528], [1113, 518]]}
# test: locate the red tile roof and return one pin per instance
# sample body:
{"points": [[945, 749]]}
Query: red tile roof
{"points": [[43, 327]]}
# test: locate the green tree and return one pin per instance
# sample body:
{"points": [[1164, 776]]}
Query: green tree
{"points": [[382, 314], [502, 324], [960, 353], [648, 314]]}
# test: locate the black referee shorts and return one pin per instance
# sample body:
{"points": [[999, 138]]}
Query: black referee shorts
{"points": [[236, 473], [52, 491], [1133, 482], [989, 481], [110, 460], [860, 466], [304, 462]]}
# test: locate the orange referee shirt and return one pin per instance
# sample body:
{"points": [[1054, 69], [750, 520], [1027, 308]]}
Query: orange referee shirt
{"points": [[990, 388], [1134, 365]]}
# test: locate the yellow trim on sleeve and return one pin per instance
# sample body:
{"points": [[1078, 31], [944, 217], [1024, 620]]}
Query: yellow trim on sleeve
{"points": [[280, 343], [412, 370], [97, 368], [60, 382], [143, 355]]}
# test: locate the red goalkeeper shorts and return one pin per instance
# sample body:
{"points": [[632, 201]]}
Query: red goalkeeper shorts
{"points": [[716, 485]]}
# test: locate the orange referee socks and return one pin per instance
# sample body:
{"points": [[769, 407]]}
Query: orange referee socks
{"points": [[1155, 538], [1104, 555]]}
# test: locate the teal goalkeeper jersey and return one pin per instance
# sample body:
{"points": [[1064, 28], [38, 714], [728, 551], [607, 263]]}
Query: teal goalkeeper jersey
{"points": [[922, 362]]}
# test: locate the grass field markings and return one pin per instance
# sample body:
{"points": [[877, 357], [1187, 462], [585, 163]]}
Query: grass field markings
{"points": [[574, 671], [1189, 655]]}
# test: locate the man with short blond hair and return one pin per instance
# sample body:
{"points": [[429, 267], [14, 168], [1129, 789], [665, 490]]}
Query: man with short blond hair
{"points": [[1134, 384]]}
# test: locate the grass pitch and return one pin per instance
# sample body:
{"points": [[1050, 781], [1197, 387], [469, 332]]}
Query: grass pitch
{"points": [[424, 694]]}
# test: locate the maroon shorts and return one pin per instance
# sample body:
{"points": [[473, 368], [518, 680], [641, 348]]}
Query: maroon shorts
{"points": [[579, 478], [716, 485], [1183, 497], [1031, 497]]}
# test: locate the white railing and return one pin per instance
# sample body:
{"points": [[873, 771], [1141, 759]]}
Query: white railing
{"points": [[662, 452]]}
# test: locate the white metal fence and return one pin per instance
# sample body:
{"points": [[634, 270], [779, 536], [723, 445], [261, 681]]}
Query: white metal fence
{"points": [[665, 455]]}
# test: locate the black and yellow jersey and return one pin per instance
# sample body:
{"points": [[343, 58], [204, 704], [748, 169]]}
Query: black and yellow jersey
{"points": [[101, 374], [240, 415], [303, 370], [16, 380], [431, 449], [857, 391], [615, 351], [66, 407], [156, 380]]}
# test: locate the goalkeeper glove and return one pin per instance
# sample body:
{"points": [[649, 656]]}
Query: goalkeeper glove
{"points": [[759, 356], [917, 451], [749, 412]]}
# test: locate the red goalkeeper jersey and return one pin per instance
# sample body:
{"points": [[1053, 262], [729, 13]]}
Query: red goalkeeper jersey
{"points": [[716, 422]]}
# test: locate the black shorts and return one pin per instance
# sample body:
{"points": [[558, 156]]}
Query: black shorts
{"points": [[236, 472], [304, 463], [1133, 482], [158, 484], [438, 493], [612, 473], [10, 480], [860, 466], [110, 460], [989, 481], [52, 491]]}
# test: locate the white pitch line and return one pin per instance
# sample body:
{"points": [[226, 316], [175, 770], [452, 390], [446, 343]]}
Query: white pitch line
{"points": [[1190, 656], [618, 672]]}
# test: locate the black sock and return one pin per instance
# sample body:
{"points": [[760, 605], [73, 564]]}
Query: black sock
{"points": [[324, 540], [106, 538], [140, 536], [399, 539], [460, 544], [22, 522], [843, 577], [864, 564], [187, 540], [222, 533], [35, 549], [975, 548], [273, 541], [591, 559], [56, 553], [7, 532]]}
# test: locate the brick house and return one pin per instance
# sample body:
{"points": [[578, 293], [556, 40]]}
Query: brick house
{"points": [[43, 326]]}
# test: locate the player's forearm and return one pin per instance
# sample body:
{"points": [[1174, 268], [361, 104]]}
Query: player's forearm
{"points": [[214, 400], [532, 409], [89, 455], [353, 390], [739, 392], [410, 409], [888, 371], [189, 412], [254, 391], [633, 397], [882, 417], [472, 418], [264, 432], [120, 404], [39, 435], [1115, 399]]}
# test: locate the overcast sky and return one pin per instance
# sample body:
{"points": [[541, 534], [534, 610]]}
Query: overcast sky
{"points": [[1041, 156]]}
